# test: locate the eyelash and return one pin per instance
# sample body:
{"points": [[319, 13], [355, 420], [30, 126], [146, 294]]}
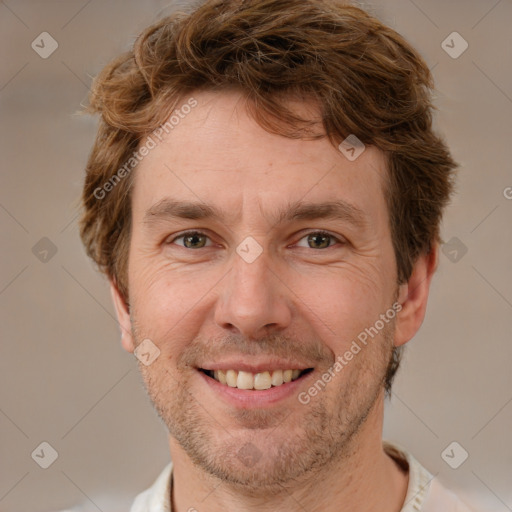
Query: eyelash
{"points": [[320, 232]]}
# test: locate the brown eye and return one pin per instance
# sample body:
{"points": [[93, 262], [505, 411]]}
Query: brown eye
{"points": [[192, 240], [318, 240]]}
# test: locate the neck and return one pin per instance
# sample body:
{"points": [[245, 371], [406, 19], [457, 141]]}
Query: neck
{"points": [[365, 480]]}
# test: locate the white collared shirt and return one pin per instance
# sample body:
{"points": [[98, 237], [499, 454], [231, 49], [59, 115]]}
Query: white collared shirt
{"points": [[424, 492]]}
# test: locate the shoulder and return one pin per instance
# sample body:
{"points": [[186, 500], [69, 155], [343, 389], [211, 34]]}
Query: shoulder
{"points": [[424, 493], [157, 497], [440, 499]]}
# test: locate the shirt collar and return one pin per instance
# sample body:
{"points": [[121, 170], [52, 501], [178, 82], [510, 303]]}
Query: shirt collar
{"points": [[419, 477]]}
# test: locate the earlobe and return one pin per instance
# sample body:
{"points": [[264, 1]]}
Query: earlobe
{"points": [[413, 296], [123, 317]]}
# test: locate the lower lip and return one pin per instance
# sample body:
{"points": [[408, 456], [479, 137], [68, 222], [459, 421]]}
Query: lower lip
{"points": [[255, 398]]}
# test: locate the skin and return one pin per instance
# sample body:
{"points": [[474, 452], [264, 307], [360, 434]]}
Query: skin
{"points": [[304, 298]]}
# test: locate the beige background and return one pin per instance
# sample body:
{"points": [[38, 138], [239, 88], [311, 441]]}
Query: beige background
{"points": [[64, 376]]}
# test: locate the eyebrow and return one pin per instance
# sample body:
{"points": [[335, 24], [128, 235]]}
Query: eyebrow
{"points": [[168, 208]]}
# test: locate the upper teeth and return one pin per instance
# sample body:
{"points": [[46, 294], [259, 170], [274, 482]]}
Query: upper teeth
{"points": [[248, 380]]}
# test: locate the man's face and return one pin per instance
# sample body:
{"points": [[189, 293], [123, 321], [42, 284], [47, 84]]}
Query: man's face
{"points": [[273, 283]]}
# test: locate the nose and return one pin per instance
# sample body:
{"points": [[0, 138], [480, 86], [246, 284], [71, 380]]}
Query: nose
{"points": [[253, 299]]}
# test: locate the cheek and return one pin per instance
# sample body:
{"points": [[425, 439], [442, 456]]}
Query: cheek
{"points": [[170, 302], [158, 299], [341, 303]]}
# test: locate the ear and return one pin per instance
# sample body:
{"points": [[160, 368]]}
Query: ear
{"points": [[413, 296], [123, 317]]}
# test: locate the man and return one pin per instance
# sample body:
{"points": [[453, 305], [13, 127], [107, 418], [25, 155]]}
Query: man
{"points": [[265, 194]]}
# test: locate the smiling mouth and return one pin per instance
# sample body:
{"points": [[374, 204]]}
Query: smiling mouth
{"points": [[255, 381]]}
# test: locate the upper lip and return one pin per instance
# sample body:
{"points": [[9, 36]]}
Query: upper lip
{"points": [[254, 366]]}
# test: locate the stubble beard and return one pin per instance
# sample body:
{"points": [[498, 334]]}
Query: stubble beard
{"points": [[270, 449]]}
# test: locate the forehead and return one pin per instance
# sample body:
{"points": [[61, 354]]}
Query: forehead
{"points": [[215, 152]]}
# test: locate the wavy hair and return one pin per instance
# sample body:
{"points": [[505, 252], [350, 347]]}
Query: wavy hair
{"points": [[364, 77]]}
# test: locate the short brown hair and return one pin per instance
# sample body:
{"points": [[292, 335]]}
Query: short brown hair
{"points": [[366, 79]]}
